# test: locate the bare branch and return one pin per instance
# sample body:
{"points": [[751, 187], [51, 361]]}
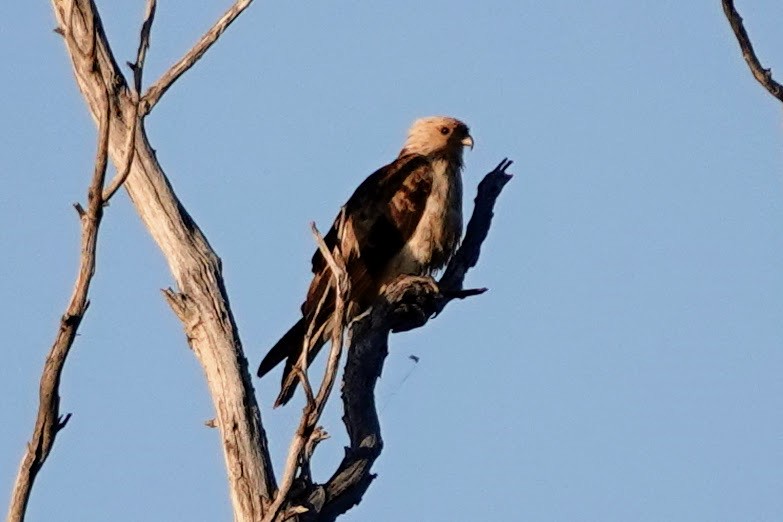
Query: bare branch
{"points": [[292, 460], [405, 304], [200, 300], [154, 93], [144, 43], [49, 421], [138, 70], [478, 227], [130, 148], [336, 263], [319, 434], [462, 294], [762, 75], [308, 434]]}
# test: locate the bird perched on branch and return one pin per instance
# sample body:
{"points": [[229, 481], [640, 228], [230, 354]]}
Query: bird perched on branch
{"points": [[405, 218]]}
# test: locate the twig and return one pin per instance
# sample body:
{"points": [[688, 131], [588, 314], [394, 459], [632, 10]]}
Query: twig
{"points": [[49, 421], [298, 454], [291, 462], [336, 263], [154, 93], [130, 147], [137, 68], [319, 434], [300, 368], [762, 75], [144, 43], [462, 294]]}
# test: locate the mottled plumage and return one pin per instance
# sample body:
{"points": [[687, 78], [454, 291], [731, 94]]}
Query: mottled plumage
{"points": [[405, 218]]}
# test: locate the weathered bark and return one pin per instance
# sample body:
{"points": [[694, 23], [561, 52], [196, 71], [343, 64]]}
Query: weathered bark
{"points": [[200, 301]]}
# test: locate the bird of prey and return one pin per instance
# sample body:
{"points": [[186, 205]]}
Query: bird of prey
{"points": [[405, 218]]}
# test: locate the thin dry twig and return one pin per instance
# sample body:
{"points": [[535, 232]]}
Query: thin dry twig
{"points": [[137, 68], [159, 88], [122, 175], [49, 421], [298, 454], [342, 291], [762, 75], [300, 368], [291, 462], [144, 44]]}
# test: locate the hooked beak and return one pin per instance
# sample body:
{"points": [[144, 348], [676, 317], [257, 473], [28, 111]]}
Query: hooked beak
{"points": [[467, 141]]}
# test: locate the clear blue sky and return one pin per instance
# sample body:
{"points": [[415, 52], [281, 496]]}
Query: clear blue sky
{"points": [[626, 364]]}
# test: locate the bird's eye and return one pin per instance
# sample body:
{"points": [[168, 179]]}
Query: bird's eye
{"points": [[444, 130]]}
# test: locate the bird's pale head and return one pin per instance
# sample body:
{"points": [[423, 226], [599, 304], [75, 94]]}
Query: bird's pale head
{"points": [[439, 136]]}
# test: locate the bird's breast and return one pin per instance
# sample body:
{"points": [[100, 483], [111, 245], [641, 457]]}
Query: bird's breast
{"points": [[439, 230]]}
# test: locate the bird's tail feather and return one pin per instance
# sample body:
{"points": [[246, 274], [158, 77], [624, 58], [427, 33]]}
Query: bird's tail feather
{"points": [[289, 348], [290, 343], [290, 378]]}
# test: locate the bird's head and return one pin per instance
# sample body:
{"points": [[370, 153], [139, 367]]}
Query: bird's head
{"points": [[439, 136]]}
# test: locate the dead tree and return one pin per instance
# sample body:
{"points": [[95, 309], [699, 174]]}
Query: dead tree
{"points": [[119, 106], [762, 74]]}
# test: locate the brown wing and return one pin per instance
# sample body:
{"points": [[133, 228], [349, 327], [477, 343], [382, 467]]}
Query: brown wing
{"points": [[380, 217]]}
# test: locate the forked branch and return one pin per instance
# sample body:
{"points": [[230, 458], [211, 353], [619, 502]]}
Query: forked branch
{"points": [[160, 87], [137, 68], [200, 299]]}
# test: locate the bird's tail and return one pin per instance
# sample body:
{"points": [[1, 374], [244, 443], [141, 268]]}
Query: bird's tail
{"points": [[289, 344], [289, 347]]}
